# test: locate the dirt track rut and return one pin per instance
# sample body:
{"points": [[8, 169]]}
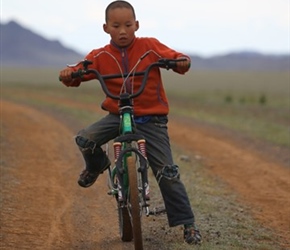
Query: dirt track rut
{"points": [[43, 208]]}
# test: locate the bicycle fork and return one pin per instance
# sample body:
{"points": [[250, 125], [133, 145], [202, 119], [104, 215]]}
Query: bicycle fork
{"points": [[118, 176]]}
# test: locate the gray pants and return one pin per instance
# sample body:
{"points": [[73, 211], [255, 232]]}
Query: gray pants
{"points": [[159, 156]]}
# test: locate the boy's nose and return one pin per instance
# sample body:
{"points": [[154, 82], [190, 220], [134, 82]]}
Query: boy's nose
{"points": [[122, 31]]}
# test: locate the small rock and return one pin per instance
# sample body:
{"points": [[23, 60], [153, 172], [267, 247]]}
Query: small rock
{"points": [[184, 158]]}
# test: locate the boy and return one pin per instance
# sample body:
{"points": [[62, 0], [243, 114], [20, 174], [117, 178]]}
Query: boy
{"points": [[150, 110]]}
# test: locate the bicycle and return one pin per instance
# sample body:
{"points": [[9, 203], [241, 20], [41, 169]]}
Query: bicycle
{"points": [[127, 179]]}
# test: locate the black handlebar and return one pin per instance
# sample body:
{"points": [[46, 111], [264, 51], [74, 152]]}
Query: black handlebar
{"points": [[162, 63]]}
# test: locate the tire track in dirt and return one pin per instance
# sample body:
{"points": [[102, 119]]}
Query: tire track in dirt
{"points": [[41, 206], [261, 183]]}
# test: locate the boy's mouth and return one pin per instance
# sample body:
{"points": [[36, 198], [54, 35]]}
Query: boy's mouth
{"points": [[123, 41]]}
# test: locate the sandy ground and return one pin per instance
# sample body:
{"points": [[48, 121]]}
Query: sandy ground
{"points": [[41, 202]]}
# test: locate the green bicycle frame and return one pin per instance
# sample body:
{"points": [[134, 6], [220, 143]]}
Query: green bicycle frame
{"points": [[126, 127], [126, 123], [125, 140]]}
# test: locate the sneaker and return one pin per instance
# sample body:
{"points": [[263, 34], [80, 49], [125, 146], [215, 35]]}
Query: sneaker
{"points": [[192, 236], [88, 178]]}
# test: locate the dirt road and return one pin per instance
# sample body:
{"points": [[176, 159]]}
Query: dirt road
{"points": [[41, 201]]}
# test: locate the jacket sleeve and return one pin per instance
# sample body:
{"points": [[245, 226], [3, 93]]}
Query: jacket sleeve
{"points": [[166, 52], [78, 66]]}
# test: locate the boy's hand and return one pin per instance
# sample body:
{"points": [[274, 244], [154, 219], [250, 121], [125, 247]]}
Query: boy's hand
{"points": [[65, 77], [183, 66]]}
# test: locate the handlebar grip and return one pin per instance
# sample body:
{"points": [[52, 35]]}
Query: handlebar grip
{"points": [[76, 74], [171, 63]]}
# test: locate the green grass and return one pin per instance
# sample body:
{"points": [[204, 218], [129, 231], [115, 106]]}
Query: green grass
{"points": [[254, 103]]}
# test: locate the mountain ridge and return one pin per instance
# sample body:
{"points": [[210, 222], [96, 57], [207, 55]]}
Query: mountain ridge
{"points": [[21, 47]]}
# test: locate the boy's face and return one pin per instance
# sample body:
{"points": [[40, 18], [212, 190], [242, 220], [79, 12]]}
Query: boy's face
{"points": [[121, 25]]}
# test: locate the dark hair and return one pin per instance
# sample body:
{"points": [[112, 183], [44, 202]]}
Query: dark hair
{"points": [[119, 4]]}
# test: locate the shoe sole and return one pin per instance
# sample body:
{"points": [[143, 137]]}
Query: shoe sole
{"points": [[91, 183]]}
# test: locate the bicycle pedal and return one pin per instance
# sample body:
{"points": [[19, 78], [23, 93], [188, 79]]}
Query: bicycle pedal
{"points": [[111, 192], [157, 211]]}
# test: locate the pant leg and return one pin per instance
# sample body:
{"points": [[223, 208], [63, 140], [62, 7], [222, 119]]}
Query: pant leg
{"points": [[90, 140], [102, 131], [159, 155]]}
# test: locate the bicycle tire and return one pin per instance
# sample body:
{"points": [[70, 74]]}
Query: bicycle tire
{"points": [[134, 204], [125, 225]]}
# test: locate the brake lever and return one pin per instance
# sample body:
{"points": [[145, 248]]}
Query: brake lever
{"points": [[86, 63]]}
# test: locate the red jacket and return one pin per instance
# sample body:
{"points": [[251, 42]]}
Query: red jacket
{"points": [[153, 100]]}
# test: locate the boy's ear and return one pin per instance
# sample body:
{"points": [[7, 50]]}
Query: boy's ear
{"points": [[105, 28], [137, 25]]}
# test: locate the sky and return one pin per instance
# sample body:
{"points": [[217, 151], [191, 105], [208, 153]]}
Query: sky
{"points": [[201, 27]]}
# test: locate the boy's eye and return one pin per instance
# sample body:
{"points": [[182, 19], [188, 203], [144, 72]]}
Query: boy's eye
{"points": [[116, 26]]}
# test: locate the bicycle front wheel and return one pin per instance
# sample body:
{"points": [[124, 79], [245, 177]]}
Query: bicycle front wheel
{"points": [[134, 206], [124, 223]]}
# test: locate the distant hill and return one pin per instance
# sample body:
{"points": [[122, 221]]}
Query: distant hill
{"points": [[242, 61], [23, 48]]}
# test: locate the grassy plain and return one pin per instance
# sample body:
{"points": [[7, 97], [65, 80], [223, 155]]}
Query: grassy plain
{"points": [[253, 103], [256, 104]]}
